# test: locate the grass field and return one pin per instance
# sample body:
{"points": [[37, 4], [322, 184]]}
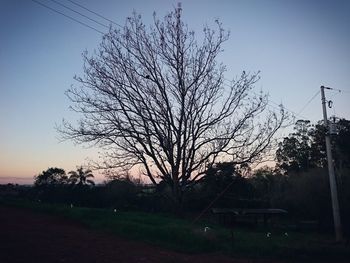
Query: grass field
{"points": [[177, 234]]}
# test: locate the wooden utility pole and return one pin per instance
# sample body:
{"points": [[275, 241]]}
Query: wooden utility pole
{"points": [[332, 181]]}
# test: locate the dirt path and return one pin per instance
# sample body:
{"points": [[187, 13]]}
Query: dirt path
{"points": [[26, 236]]}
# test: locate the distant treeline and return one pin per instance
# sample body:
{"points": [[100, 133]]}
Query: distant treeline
{"points": [[304, 195]]}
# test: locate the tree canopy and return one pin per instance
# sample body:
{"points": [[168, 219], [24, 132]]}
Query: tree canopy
{"points": [[50, 177], [156, 98]]}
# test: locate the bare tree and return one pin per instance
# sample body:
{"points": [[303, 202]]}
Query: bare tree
{"points": [[156, 97]]}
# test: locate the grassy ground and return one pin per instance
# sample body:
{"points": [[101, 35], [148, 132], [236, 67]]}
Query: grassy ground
{"points": [[178, 234]]}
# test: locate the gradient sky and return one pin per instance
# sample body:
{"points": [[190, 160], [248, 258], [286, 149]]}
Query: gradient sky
{"points": [[297, 45]]}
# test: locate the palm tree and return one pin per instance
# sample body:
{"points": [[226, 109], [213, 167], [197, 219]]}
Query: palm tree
{"points": [[81, 177]]}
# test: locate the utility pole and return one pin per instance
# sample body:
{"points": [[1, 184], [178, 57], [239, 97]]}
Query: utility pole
{"points": [[332, 181]]}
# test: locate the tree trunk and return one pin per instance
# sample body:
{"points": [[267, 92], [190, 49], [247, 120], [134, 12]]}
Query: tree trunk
{"points": [[178, 199]]}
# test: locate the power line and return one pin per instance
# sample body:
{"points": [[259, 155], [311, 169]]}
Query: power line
{"points": [[91, 19], [307, 103], [121, 26], [113, 22], [71, 18], [95, 13], [277, 107]]}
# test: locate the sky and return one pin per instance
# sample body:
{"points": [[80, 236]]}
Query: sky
{"points": [[297, 45]]}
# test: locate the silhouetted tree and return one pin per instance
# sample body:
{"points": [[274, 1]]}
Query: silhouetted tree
{"points": [[306, 148], [269, 185], [52, 176], [216, 180], [81, 177], [340, 144], [121, 192], [294, 153], [225, 178], [302, 156], [156, 97]]}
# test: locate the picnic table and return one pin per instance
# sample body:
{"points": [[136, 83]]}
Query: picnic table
{"points": [[233, 213]]}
